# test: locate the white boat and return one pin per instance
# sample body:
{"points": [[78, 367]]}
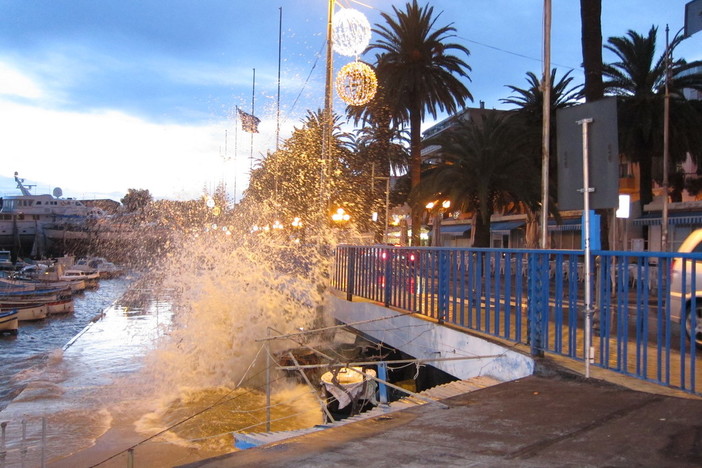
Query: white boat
{"points": [[104, 268], [6, 260], [25, 216], [89, 278], [9, 322]]}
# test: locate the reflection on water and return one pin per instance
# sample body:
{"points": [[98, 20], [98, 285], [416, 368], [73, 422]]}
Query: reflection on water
{"points": [[38, 342]]}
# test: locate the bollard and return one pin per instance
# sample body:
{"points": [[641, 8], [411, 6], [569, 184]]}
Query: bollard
{"points": [[43, 441], [23, 444], [3, 452], [382, 388]]}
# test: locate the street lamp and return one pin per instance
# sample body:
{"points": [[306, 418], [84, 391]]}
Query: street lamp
{"points": [[341, 216]]}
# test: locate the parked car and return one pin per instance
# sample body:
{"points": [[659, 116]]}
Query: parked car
{"points": [[681, 295]]}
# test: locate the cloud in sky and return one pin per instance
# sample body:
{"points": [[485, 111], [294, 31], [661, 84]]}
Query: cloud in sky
{"points": [[102, 96]]}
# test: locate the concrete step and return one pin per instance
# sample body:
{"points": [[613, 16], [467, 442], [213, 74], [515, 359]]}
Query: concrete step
{"points": [[440, 392]]}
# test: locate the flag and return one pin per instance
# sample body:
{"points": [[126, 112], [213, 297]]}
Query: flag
{"points": [[693, 17], [249, 122]]}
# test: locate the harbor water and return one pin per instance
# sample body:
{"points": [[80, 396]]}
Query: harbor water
{"points": [[175, 358]]}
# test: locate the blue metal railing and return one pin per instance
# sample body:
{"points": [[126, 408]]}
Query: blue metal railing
{"points": [[536, 297]]}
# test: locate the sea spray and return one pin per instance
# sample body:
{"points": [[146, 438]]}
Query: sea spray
{"points": [[231, 291]]}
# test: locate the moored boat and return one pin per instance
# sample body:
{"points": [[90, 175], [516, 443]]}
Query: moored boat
{"points": [[41, 282], [103, 268], [31, 296], [90, 279], [9, 321], [61, 306], [24, 217], [27, 312]]}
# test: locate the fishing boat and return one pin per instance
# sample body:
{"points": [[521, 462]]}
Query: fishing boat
{"points": [[27, 312], [63, 305], [9, 322], [41, 276], [33, 295], [56, 301]]}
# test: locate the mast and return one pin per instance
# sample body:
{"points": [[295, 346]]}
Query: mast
{"points": [[25, 191]]}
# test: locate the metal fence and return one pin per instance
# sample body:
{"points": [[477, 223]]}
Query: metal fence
{"points": [[536, 297]]}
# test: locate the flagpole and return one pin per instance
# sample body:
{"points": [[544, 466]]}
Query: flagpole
{"points": [[236, 134], [253, 112], [280, 42], [666, 143]]}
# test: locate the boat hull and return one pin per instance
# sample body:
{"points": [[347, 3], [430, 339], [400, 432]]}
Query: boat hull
{"points": [[9, 322], [28, 313], [60, 307]]}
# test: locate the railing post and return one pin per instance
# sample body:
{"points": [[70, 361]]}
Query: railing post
{"points": [[443, 300], [538, 301], [387, 293], [350, 272]]}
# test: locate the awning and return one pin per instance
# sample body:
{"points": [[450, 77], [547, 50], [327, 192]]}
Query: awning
{"points": [[505, 226], [675, 217], [455, 229], [572, 224]]}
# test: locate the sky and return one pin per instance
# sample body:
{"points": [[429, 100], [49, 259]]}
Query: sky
{"points": [[100, 96]]}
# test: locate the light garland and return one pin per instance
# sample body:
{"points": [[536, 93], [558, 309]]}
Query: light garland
{"points": [[356, 83], [351, 32]]}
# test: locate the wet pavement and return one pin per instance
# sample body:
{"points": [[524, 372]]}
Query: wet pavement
{"points": [[553, 418]]}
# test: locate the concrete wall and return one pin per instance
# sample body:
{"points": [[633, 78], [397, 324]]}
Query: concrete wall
{"points": [[424, 339]]}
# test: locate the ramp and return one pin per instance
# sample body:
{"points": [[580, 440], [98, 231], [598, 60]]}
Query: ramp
{"points": [[440, 392]]}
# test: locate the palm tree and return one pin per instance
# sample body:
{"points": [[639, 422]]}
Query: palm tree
{"points": [[483, 170], [420, 74], [638, 77], [528, 102], [528, 116]]}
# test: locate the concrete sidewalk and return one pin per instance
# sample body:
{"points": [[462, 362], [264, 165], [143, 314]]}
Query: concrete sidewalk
{"points": [[553, 418]]}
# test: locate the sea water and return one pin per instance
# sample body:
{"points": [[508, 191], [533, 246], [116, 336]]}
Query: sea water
{"points": [[180, 356]]}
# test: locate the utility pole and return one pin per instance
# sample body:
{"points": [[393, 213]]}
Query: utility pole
{"points": [[546, 127]]}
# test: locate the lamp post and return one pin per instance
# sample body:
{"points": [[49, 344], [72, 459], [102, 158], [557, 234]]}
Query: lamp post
{"points": [[327, 118]]}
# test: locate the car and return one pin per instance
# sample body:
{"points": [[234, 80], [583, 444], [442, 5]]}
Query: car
{"points": [[683, 296]]}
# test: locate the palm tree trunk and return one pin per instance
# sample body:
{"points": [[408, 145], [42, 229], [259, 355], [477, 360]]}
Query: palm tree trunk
{"points": [[591, 39], [645, 178], [482, 230]]}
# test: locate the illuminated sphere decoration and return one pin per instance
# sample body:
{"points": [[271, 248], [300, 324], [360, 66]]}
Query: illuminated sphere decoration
{"points": [[356, 83], [351, 32]]}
